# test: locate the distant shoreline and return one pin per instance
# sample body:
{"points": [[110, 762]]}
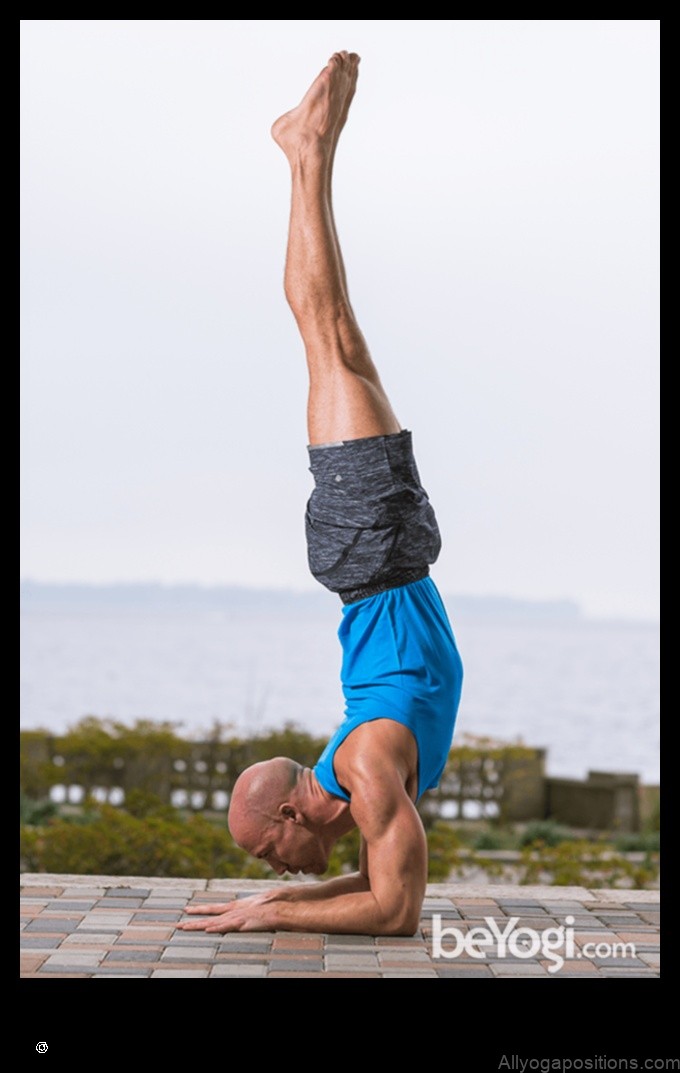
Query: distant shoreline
{"points": [[158, 596]]}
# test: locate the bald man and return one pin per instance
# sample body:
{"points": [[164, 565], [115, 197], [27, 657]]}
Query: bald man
{"points": [[371, 537]]}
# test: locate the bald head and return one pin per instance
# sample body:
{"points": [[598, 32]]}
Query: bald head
{"points": [[257, 797]]}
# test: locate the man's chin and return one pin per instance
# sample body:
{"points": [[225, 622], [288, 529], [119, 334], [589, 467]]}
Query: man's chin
{"points": [[317, 869]]}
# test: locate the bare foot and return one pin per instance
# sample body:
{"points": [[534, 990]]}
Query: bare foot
{"points": [[321, 114]]}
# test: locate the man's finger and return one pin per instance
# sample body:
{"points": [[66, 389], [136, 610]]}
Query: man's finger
{"points": [[222, 908]]}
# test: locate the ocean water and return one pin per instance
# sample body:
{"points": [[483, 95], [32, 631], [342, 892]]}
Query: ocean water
{"points": [[586, 691]]}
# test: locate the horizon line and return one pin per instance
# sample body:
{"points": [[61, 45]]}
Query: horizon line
{"points": [[566, 603]]}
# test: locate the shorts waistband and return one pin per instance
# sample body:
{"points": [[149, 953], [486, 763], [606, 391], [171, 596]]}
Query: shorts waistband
{"points": [[368, 451], [351, 596]]}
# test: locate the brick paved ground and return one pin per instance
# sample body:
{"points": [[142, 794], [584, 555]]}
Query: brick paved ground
{"points": [[124, 927]]}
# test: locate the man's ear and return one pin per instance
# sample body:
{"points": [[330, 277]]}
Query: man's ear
{"points": [[288, 812]]}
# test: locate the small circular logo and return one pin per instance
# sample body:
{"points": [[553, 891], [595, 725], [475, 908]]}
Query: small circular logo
{"points": [[41, 1048]]}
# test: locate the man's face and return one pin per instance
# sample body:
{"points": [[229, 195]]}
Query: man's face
{"points": [[289, 847]]}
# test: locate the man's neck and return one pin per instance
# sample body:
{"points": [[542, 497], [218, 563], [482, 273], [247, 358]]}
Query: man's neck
{"points": [[324, 810]]}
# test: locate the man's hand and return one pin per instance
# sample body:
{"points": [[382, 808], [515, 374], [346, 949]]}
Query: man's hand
{"points": [[256, 913], [234, 915], [291, 892]]}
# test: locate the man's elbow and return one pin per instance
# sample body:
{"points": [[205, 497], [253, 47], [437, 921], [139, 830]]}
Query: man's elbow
{"points": [[405, 921], [409, 930]]}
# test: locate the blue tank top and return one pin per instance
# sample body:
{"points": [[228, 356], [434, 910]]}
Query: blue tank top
{"points": [[399, 662]]}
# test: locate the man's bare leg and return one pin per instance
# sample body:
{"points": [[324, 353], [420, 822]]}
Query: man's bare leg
{"points": [[346, 398]]}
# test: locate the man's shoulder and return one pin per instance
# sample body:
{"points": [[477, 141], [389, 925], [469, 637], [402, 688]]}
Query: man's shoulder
{"points": [[382, 750]]}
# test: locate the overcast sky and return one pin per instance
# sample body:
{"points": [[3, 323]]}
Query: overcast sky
{"points": [[497, 201]]}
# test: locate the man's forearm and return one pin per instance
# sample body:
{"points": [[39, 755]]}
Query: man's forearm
{"points": [[327, 888], [356, 913]]}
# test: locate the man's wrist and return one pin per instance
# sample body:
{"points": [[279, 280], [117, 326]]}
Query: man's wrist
{"points": [[278, 894], [274, 914]]}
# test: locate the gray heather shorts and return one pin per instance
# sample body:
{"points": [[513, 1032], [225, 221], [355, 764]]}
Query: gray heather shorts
{"points": [[369, 523]]}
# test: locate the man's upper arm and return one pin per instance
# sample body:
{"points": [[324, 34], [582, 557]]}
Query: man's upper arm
{"points": [[394, 847]]}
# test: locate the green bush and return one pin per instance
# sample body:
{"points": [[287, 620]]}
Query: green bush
{"points": [[443, 848], [118, 843], [547, 832], [645, 842], [345, 854], [142, 805], [494, 839], [35, 812], [583, 863]]}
